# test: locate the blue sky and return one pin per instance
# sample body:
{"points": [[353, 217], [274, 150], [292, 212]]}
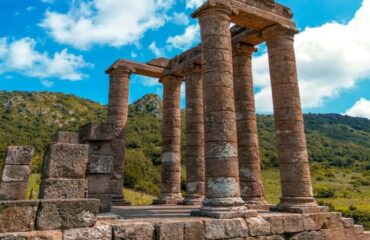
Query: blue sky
{"points": [[65, 46]]}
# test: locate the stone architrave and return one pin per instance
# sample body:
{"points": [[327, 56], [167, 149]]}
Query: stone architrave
{"points": [[222, 198], [16, 172], [251, 186], [195, 166], [291, 140], [171, 132], [118, 116]]}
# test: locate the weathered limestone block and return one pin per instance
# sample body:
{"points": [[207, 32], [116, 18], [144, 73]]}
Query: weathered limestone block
{"points": [[66, 214], [258, 226], [67, 137], [100, 164], [102, 232], [65, 161], [334, 234], [170, 231], [225, 228], [17, 216], [133, 231], [14, 190], [273, 237], [34, 235], [105, 201], [276, 224], [97, 132], [313, 235], [103, 148], [194, 230], [348, 222], [293, 223], [19, 155], [102, 184], [334, 220], [63, 188], [16, 173]]}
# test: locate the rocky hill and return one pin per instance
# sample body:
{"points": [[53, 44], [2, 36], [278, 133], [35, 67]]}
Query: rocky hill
{"points": [[31, 118]]}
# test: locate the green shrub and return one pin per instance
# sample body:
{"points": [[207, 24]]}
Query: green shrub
{"points": [[324, 192]]}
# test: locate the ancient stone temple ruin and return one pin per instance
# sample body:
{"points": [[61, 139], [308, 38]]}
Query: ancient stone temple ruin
{"points": [[224, 191]]}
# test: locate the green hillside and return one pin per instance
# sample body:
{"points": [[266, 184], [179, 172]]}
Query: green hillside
{"points": [[339, 146]]}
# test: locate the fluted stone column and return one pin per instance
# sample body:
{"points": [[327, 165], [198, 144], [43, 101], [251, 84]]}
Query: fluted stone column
{"points": [[117, 115], [195, 168], [292, 151], [222, 199], [171, 131], [251, 187]]}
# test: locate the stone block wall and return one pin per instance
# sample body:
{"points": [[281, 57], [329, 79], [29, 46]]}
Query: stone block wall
{"points": [[64, 167], [100, 165], [16, 172], [267, 226]]}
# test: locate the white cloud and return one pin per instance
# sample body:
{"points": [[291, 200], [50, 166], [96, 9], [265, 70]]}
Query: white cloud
{"points": [[146, 81], [30, 8], [21, 56], [158, 52], [47, 83], [330, 59], [106, 22], [133, 54], [48, 1], [194, 3], [180, 18], [185, 40], [360, 109]]}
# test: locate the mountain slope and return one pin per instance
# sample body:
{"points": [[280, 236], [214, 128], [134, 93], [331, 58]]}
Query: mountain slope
{"points": [[31, 118]]}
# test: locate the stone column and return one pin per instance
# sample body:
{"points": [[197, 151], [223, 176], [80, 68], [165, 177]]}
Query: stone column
{"points": [[117, 115], [251, 187], [171, 132], [222, 199], [195, 169], [291, 141]]}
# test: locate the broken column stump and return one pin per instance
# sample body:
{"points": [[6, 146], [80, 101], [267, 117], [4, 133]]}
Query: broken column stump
{"points": [[100, 165], [16, 172], [64, 167]]}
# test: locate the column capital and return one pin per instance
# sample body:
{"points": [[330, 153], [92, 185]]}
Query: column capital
{"points": [[279, 31], [243, 48], [120, 70], [212, 6]]}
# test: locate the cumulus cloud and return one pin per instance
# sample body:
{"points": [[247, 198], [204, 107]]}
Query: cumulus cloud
{"points": [[330, 58], [194, 3], [109, 22], [21, 56], [47, 83], [48, 1], [185, 40], [360, 109], [180, 18], [158, 52]]}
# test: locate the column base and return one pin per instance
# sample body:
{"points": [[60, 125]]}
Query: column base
{"points": [[169, 199], [299, 205], [224, 208], [257, 203]]}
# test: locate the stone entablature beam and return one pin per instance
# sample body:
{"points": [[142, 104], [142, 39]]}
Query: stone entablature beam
{"points": [[138, 68]]}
